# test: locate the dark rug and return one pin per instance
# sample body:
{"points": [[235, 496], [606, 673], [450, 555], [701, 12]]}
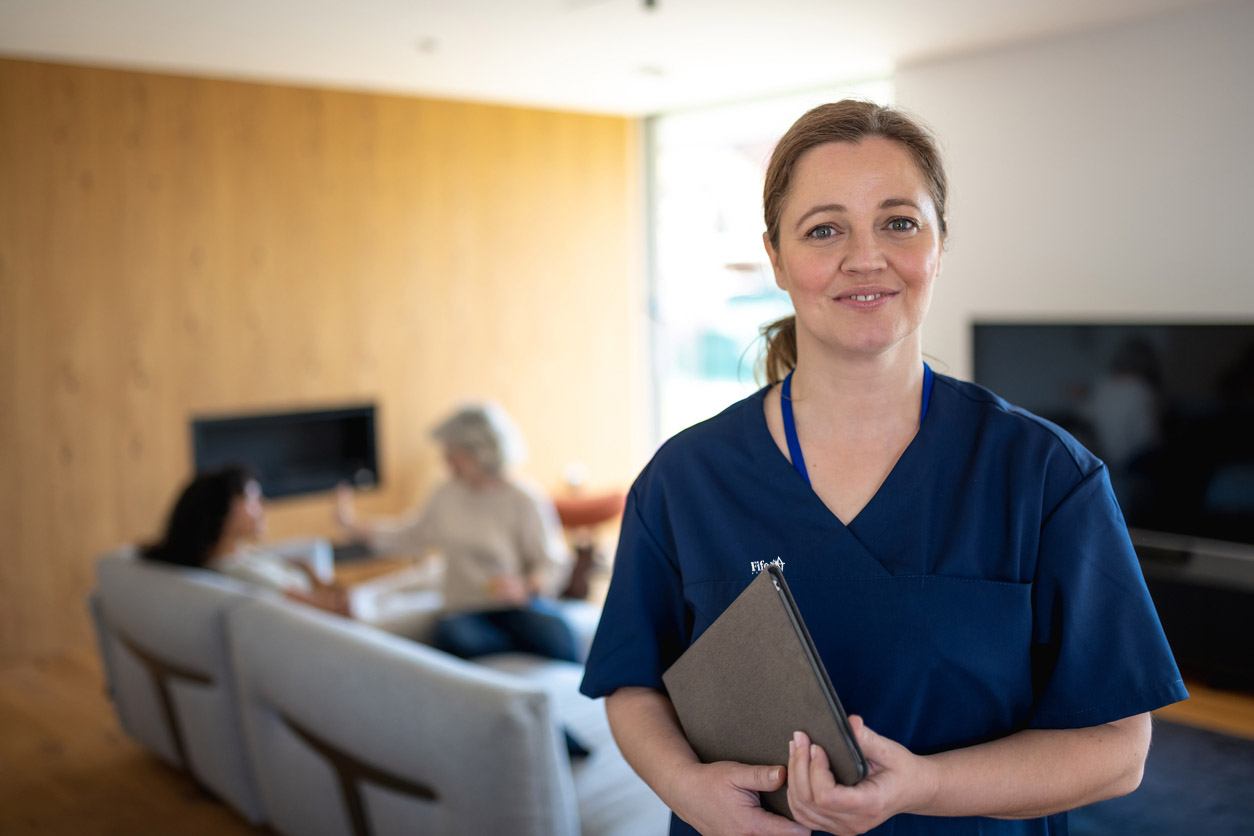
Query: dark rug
{"points": [[1196, 782]]}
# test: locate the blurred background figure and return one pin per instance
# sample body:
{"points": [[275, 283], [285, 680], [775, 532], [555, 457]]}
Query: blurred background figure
{"points": [[505, 556], [216, 523], [1125, 410], [1124, 406]]}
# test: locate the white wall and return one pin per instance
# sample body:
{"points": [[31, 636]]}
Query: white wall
{"points": [[1102, 175]]}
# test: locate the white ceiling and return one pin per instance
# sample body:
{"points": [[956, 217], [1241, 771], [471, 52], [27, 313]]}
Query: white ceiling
{"points": [[611, 56]]}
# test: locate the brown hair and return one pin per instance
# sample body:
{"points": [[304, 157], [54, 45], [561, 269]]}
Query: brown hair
{"points": [[844, 121]]}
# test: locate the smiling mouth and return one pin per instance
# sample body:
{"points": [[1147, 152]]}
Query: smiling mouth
{"points": [[866, 297]]}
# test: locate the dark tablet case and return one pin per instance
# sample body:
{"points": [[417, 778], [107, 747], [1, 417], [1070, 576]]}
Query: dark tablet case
{"points": [[752, 679]]}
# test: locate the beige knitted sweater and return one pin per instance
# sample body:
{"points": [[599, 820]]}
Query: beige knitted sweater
{"points": [[503, 528]]}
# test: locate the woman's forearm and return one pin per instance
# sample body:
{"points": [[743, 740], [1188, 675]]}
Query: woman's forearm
{"points": [[391, 535], [650, 738], [713, 798], [1039, 772], [1028, 774]]}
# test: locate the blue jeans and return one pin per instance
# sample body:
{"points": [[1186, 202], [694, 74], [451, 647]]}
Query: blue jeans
{"points": [[537, 628]]}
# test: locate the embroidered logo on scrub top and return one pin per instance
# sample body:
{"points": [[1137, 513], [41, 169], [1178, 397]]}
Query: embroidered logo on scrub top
{"points": [[756, 566]]}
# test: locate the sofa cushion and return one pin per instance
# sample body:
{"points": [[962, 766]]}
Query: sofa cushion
{"points": [[583, 618], [613, 800], [483, 743]]}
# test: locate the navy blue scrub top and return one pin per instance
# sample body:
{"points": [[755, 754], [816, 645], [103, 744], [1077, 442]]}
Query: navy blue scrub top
{"points": [[989, 586]]}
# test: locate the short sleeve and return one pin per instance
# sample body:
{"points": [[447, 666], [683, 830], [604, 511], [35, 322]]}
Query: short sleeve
{"points": [[1099, 651], [644, 624]]}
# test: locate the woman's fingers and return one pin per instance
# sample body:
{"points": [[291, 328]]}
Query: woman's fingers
{"points": [[822, 781], [860, 734], [816, 799], [759, 778], [725, 800], [879, 751], [799, 767], [819, 802], [344, 512]]}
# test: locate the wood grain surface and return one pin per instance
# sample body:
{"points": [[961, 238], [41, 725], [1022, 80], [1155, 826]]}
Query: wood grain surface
{"points": [[173, 247]]}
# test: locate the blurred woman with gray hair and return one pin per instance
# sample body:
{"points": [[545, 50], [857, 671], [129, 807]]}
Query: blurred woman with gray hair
{"points": [[501, 540]]}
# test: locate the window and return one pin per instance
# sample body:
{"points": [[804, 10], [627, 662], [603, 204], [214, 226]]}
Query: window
{"points": [[713, 288]]}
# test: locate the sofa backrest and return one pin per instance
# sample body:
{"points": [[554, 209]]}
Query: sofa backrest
{"points": [[353, 730], [161, 631]]}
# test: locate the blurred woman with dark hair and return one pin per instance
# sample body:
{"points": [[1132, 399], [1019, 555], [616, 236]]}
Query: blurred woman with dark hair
{"points": [[215, 524]]}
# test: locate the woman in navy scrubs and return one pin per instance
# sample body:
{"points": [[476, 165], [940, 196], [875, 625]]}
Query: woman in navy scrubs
{"points": [[962, 564]]}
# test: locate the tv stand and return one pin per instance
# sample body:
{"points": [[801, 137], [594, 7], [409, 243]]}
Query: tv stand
{"points": [[1204, 592]]}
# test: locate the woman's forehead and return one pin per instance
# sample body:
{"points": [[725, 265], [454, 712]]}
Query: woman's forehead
{"points": [[872, 165]]}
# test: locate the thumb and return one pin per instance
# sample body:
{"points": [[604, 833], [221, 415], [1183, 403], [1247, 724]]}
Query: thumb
{"points": [[875, 747], [760, 778]]}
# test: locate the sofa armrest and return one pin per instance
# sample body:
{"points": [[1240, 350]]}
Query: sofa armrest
{"points": [[151, 617], [103, 646]]}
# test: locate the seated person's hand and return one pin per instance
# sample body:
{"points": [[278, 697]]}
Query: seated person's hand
{"points": [[723, 798], [306, 570], [508, 589], [345, 512], [327, 597]]}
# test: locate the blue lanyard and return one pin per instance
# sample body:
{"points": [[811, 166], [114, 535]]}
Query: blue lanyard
{"points": [[790, 425]]}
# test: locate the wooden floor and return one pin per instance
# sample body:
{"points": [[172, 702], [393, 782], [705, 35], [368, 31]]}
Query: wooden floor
{"points": [[1222, 711], [66, 767]]}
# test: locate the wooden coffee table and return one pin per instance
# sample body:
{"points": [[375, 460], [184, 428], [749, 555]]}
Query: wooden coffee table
{"points": [[353, 572]]}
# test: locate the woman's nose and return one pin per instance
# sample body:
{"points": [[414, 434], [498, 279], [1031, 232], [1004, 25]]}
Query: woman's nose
{"points": [[863, 254]]}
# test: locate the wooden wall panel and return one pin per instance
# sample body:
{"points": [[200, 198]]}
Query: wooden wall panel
{"points": [[173, 246]]}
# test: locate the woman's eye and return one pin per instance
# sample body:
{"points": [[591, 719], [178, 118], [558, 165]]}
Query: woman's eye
{"points": [[822, 232], [903, 225]]}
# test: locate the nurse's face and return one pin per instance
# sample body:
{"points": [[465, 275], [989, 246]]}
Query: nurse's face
{"points": [[859, 247]]}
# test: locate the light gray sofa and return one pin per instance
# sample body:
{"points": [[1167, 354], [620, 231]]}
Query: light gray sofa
{"points": [[162, 637], [316, 724]]}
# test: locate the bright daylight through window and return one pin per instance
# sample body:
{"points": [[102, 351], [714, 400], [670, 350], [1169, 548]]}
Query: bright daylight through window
{"points": [[712, 288]]}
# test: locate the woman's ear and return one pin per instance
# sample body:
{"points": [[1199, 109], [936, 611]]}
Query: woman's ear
{"points": [[773, 256]]}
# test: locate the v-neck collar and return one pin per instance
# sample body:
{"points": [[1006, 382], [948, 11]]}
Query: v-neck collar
{"points": [[884, 512], [790, 425]]}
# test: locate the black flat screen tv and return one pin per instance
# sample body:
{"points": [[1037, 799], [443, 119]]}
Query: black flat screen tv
{"points": [[293, 453], [1168, 406]]}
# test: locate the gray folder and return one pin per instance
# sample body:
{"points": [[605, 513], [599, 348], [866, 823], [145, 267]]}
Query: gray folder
{"points": [[752, 679]]}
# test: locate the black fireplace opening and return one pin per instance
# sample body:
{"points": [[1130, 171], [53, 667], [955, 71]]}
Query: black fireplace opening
{"points": [[293, 453]]}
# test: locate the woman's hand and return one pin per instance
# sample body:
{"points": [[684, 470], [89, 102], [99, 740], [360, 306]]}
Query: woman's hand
{"points": [[722, 798], [305, 569], [717, 798], [508, 589], [897, 781], [345, 512], [329, 597]]}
